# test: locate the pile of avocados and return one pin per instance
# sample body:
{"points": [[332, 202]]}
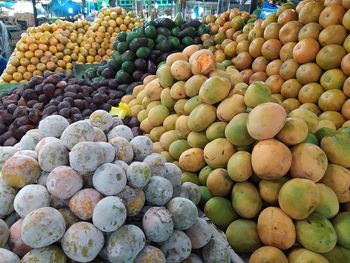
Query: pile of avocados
{"points": [[138, 53]]}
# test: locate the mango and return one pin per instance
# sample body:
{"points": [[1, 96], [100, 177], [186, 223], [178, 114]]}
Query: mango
{"points": [[236, 130], [191, 104], [204, 173], [337, 148], [218, 152], [269, 189], [311, 138], [271, 159], [157, 115], [266, 120], [189, 177], [246, 200], [193, 85], [166, 99], [234, 75], [181, 126], [338, 255], [275, 228], [294, 131], [316, 233], [165, 77], [197, 139], [168, 138], [214, 89], [156, 132], [300, 255], [298, 198], [169, 122], [328, 205], [201, 117], [177, 147], [192, 160], [167, 156], [257, 93], [268, 254], [338, 178], [179, 106], [205, 195], [341, 225], [216, 130], [230, 107], [219, 210], [152, 91], [202, 62], [309, 117], [177, 90], [239, 228], [239, 166], [219, 183], [309, 162]]}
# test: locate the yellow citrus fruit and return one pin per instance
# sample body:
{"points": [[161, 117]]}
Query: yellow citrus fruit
{"points": [[17, 76], [27, 75]]}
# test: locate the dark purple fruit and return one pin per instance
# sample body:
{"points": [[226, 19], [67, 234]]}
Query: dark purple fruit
{"points": [[65, 112], [29, 94], [10, 142]]}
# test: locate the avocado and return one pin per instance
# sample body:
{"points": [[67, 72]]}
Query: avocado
{"points": [[121, 36], [140, 64], [123, 77], [115, 45], [128, 66], [150, 32], [191, 23], [163, 31], [118, 59], [175, 31], [150, 43], [164, 46], [143, 52], [113, 64], [108, 73], [122, 47], [179, 19], [160, 38], [187, 41], [165, 22], [128, 55], [175, 42], [188, 32], [136, 43], [140, 31], [131, 36], [202, 29]]}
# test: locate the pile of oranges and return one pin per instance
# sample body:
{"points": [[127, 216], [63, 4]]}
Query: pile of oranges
{"points": [[56, 46]]}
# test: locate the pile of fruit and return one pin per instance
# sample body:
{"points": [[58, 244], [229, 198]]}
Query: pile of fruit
{"points": [[136, 54], [54, 47], [50, 47], [68, 194], [272, 177], [22, 108], [96, 44]]}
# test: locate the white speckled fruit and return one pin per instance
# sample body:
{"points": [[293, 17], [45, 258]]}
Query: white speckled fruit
{"points": [[30, 198], [109, 214], [82, 204], [99, 136], [109, 179], [116, 121], [80, 131], [177, 247], [200, 233], [125, 243], [30, 140], [193, 258], [150, 254], [157, 224], [134, 200], [85, 157], [5, 153], [4, 233], [68, 216], [122, 131], [173, 174], [183, 211], [82, 242], [138, 174], [53, 126], [7, 195], [158, 191], [29, 153], [108, 150], [45, 141], [216, 251], [63, 182], [142, 147], [43, 178], [101, 119], [122, 164], [43, 227], [15, 241], [45, 255], [52, 155], [157, 164], [123, 147], [193, 192], [7, 256]]}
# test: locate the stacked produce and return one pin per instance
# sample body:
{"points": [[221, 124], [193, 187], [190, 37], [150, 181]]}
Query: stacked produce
{"points": [[47, 47], [22, 109], [96, 44], [91, 191], [137, 54], [274, 181]]}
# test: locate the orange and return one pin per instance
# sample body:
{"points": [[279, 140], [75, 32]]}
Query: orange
{"points": [[290, 88], [53, 59], [21, 69], [286, 16], [34, 61], [332, 79], [345, 64], [59, 70], [69, 66], [288, 69], [308, 73], [51, 66], [123, 28], [17, 76], [311, 30], [273, 67], [334, 117], [59, 55], [48, 54], [330, 56], [41, 67], [60, 47], [331, 15], [29, 54], [290, 31], [306, 50], [44, 59], [24, 62], [290, 104], [332, 100], [43, 47], [33, 47], [27, 75], [31, 68], [67, 59], [6, 77], [255, 47], [259, 64], [346, 109], [10, 69], [38, 53], [274, 82], [310, 93], [271, 49], [14, 61], [61, 63], [53, 49]]}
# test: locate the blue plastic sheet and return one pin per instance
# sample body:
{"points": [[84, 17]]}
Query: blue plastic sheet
{"points": [[267, 9]]}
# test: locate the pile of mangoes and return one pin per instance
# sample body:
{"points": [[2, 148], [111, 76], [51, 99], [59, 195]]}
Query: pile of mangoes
{"points": [[272, 177]]}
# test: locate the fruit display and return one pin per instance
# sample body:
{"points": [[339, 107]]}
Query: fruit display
{"points": [[54, 47], [96, 44], [137, 54], [277, 173], [22, 108], [92, 192]]}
